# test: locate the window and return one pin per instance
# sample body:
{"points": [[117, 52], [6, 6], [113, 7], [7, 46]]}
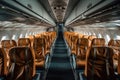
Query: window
{"points": [[4, 38], [107, 38], [117, 37], [99, 35]]}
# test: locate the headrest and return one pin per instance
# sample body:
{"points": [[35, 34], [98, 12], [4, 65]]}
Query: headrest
{"points": [[83, 42], [115, 43], [8, 43], [98, 42], [24, 42]]}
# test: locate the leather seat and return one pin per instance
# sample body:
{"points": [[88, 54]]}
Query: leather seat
{"points": [[32, 39], [3, 63], [24, 42], [39, 48], [81, 35], [22, 65], [115, 45], [100, 64], [98, 42], [74, 39], [95, 42], [91, 37], [47, 43], [7, 45], [82, 47], [85, 36]]}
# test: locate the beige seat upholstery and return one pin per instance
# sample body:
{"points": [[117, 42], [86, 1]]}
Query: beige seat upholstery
{"points": [[32, 38], [98, 42], [7, 45], [115, 44], [85, 36], [100, 64], [90, 38], [24, 42], [82, 47], [22, 65], [95, 42], [74, 39], [3, 62], [39, 48]]}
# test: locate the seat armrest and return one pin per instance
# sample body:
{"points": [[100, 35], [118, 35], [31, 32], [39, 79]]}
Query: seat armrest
{"points": [[73, 56]]}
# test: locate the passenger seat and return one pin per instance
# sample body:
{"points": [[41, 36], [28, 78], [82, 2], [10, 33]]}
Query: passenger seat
{"points": [[3, 63], [100, 64], [22, 64], [82, 47], [24, 42], [115, 45], [94, 42], [7, 45], [39, 48]]}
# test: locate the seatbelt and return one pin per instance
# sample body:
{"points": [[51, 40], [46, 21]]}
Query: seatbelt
{"points": [[93, 62], [107, 62], [13, 65], [27, 64]]}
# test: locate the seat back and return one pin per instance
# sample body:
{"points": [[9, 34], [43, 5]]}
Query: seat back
{"points": [[115, 44], [74, 39], [46, 42], [24, 42], [7, 45], [3, 62], [31, 37], [100, 64], [91, 37], [85, 36], [22, 65], [39, 46], [98, 42], [82, 47]]}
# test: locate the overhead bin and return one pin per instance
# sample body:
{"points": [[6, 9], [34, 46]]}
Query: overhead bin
{"points": [[32, 8], [87, 7]]}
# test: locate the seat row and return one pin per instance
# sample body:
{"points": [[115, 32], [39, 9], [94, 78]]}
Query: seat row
{"points": [[93, 55], [22, 57]]}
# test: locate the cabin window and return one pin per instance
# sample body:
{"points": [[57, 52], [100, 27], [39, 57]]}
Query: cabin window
{"points": [[99, 35], [107, 38], [26, 34], [89, 33], [33, 33], [85, 33], [14, 37], [4, 38], [117, 37], [30, 33], [94, 34], [21, 36]]}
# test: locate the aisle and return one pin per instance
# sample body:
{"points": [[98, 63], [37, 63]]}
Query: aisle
{"points": [[60, 67]]}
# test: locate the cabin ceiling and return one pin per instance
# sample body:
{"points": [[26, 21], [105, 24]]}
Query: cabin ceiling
{"points": [[59, 10], [49, 12]]}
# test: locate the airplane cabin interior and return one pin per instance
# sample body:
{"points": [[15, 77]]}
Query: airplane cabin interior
{"points": [[59, 39]]}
